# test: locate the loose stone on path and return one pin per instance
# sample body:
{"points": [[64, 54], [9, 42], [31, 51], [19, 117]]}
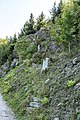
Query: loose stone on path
{"points": [[5, 111]]}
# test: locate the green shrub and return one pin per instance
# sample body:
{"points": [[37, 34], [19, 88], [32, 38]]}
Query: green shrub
{"points": [[44, 101], [40, 117], [70, 83], [24, 49]]}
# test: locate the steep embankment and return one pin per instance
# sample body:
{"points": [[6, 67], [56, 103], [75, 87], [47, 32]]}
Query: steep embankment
{"points": [[52, 94]]}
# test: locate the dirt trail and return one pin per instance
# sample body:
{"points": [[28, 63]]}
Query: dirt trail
{"points": [[5, 111]]}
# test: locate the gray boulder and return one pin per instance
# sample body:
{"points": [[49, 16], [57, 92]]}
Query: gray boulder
{"points": [[56, 118], [15, 62], [6, 66], [42, 34], [35, 104]]}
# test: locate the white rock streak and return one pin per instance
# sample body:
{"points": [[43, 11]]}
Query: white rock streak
{"points": [[38, 48], [45, 64]]}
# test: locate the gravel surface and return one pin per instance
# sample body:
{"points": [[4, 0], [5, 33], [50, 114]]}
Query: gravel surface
{"points": [[5, 111]]}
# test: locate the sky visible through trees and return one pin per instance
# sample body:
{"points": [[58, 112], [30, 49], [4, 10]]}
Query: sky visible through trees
{"points": [[14, 13]]}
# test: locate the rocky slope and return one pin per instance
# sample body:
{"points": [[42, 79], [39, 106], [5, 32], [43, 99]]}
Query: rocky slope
{"points": [[49, 94]]}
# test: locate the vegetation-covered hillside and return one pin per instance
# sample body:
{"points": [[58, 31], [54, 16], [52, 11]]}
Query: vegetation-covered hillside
{"points": [[40, 69]]}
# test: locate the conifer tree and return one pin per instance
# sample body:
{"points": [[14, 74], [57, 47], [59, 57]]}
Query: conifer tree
{"points": [[59, 8], [25, 28], [14, 38], [29, 26], [21, 33], [55, 11], [40, 21], [0, 56], [69, 24]]}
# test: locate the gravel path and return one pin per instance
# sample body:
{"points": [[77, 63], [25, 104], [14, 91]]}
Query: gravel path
{"points": [[5, 111]]}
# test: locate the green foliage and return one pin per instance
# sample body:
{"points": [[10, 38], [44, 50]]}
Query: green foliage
{"points": [[7, 49], [3, 53], [70, 83], [21, 48], [31, 48], [18, 87], [24, 49], [21, 33], [29, 26], [55, 11], [3, 41], [14, 38], [40, 21], [23, 82], [40, 117], [44, 101], [67, 26]]}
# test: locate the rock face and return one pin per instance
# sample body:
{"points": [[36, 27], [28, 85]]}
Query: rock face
{"points": [[38, 48], [76, 60], [42, 34], [6, 67], [15, 62], [35, 104], [45, 64], [35, 99], [56, 118], [5, 111], [65, 101], [47, 81], [51, 45], [77, 85]]}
